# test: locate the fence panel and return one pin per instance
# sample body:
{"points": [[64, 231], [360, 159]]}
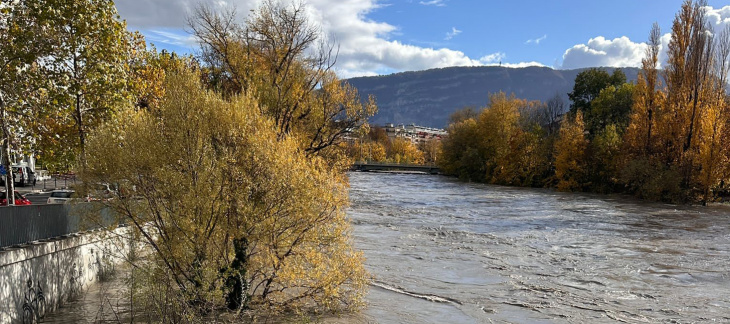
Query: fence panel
{"points": [[24, 224]]}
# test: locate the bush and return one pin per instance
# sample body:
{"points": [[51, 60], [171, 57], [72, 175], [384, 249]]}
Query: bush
{"points": [[229, 212]]}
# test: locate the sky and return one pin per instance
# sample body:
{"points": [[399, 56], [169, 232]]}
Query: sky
{"points": [[379, 37]]}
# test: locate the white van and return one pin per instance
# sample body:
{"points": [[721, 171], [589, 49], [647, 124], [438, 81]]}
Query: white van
{"points": [[22, 176]]}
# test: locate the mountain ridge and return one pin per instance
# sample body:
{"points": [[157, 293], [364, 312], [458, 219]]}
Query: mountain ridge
{"points": [[428, 97]]}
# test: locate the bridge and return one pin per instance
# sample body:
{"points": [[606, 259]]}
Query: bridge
{"points": [[367, 166]]}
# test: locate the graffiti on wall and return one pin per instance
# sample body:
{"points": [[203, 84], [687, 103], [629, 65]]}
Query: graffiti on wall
{"points": [[34, 305], [76, 281]]}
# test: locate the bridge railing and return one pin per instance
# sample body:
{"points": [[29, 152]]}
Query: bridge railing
{"points": [[25, 224], [394, 167], [429, 165]]}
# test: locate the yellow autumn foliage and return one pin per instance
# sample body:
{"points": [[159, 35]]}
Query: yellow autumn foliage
{"points": [[201, 174], [570, 163]]}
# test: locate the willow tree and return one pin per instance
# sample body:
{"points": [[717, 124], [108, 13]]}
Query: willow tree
{"points": [[234, 215], [281, 58]]}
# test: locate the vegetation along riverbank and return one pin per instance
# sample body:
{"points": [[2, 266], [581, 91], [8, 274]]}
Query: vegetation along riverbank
{"points": [[228, 166], [663, 138]]}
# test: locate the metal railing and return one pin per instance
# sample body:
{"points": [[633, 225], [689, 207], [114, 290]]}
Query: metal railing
{"points": [[382, 166], [47, 181], [25, 224]]}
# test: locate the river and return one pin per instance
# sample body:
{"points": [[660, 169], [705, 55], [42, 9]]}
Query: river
{"points": [[444, 251]]}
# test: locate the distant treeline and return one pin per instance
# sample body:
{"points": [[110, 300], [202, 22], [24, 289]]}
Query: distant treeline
{"points": [[664, 137]]}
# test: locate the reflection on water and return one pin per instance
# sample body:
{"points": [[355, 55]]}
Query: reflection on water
{"points": [[446, 251]]}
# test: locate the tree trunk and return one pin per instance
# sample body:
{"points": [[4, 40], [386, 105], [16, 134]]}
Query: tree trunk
{"points": [[82, 134], [79, 116], [9, 181]]}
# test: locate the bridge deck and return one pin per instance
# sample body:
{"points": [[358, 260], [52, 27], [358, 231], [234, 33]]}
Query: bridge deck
{"points": [[370, 166]]}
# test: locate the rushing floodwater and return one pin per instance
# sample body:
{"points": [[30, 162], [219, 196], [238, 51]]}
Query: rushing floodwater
{"points": [[443, 251]]}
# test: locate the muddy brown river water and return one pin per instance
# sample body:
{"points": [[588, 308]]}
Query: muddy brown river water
{"points": [[444, 251]]}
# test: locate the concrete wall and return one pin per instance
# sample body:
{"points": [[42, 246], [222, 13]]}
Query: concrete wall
{"points": [[37, 279]]}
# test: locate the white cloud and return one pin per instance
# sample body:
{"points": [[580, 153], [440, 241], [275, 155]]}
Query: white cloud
{"points": [[495, 59], [718, 18], [622, 52], [599, 51], [522, 64], [663, 45], [142, 14], [492, 58], [438, 3], [365, 45], [536, 41], [452, 33]]}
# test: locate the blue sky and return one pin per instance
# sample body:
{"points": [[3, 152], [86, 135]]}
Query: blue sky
{"points": [[381, 37]]}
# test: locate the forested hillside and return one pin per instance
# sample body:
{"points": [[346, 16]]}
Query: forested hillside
{"points": [[428, 97]]}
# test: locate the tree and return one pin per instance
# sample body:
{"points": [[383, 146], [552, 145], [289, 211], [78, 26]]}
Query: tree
{"points": [[525, 160], [505, 144], [713, 148], [376, 151], [363, 150], [611, 107], [26, 35], [89, 66], [688, 76], [146, 70], [279, 57], [605, 149], [232, 214], [431, 150], [378, 134], [570, 159], [554, 109], [588, 85], [696, 67], [714, 153], [497, 126], [648, 100], [461, 154], [463, 114], [673, 148], [404, 151]]}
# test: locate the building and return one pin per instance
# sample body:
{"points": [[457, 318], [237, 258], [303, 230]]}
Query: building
{"points": [[416, 134]]}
